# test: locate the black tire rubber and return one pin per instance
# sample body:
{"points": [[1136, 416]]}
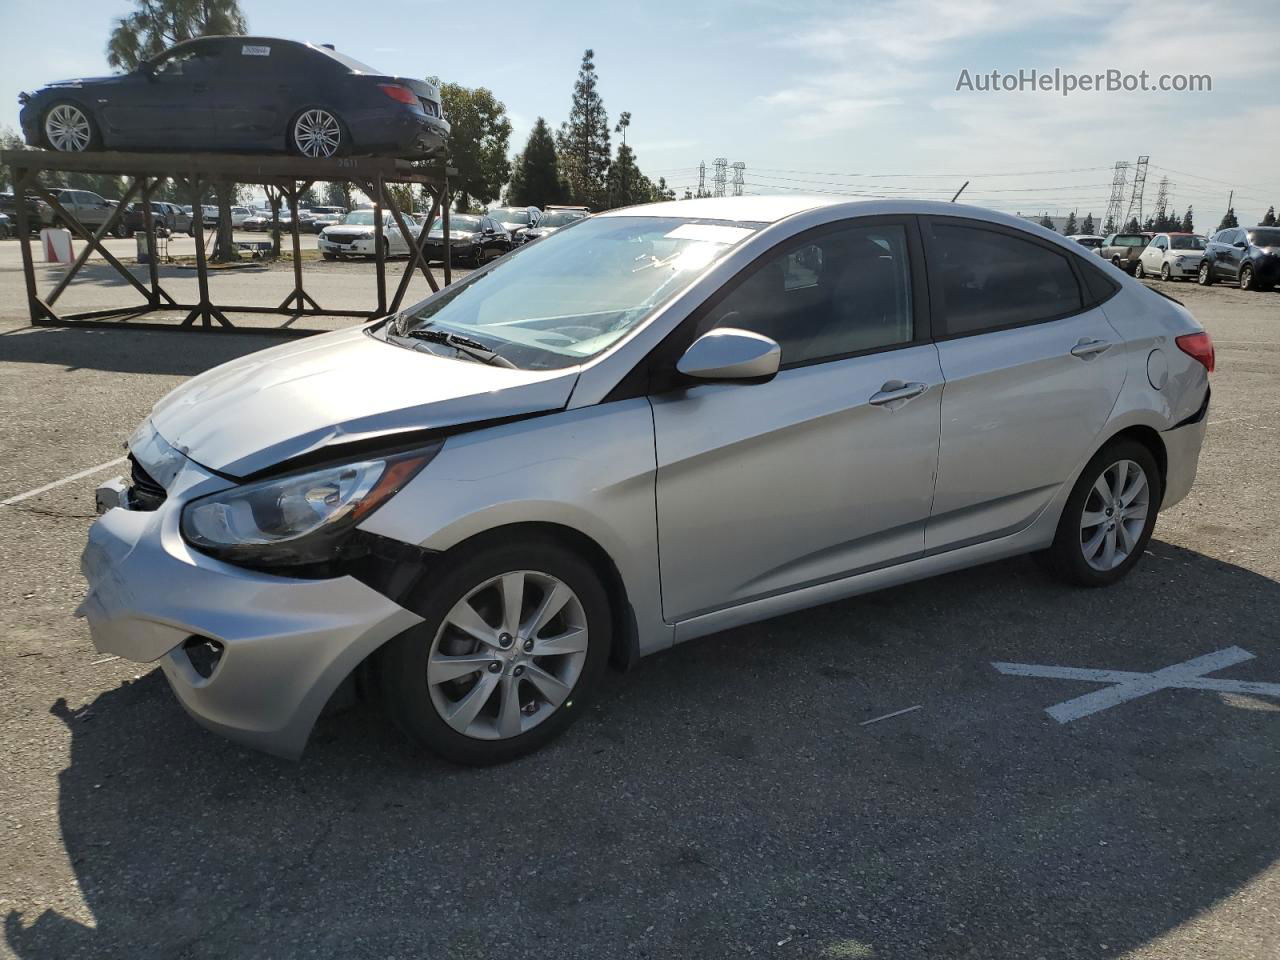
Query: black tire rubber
{"points": [[1204, 276], [402, 663], [1165, 273], [1138, 272], [1065, 559], [1246, 278], [331, 256]]}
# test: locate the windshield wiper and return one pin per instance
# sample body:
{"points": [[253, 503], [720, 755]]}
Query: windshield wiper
{"points": [[465, 345]]}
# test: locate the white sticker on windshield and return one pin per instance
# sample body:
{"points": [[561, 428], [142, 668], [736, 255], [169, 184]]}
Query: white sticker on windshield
{"points": [[710, 232], [248, 50]]}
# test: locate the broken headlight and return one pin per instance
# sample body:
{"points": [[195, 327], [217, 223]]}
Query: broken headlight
{"points": [[300, 518]]}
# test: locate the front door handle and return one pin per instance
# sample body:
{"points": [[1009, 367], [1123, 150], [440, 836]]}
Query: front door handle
{"points": [[896, 390], [1088, 349]]}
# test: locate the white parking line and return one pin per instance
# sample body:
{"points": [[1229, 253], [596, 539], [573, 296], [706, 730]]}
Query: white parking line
{"points": [[1129, 685], [57, 483]]}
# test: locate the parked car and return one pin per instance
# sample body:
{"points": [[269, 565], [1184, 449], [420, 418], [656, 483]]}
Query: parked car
{"points": [[1171, 256], [7, 227], [326, 217], [168, 215], [553, 220], [473, 240], [515, 220], [259, 221], [588, 450], [1090, 240], [355, 236], [1124, 249], [241, 93], [37, 214], [87, 207], [1248, 256], [239, 215]]}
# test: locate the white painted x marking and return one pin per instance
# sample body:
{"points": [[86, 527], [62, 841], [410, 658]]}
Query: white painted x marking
{"points": [[1127, 685]]}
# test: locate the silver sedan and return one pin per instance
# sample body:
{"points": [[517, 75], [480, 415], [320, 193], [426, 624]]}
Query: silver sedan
{"points": [[663, 422]]}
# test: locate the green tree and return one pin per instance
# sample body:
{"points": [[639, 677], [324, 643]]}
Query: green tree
{"points": [[626, 185], [583, 140], [1088, 225], [158, 24], [1133, 226], [1270, 219], [1071, 225], [1110, 226], [339, 193], [1229, 219], [662, 191], [477, 142], [1188, 224], [535, 177], [1046, 222]]}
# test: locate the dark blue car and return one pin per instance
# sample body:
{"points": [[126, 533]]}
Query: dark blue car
{"points": [[254, 94]]}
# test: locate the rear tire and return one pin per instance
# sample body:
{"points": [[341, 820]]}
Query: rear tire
{"points": [[318, 134], [1108, 519], [473, 588]]}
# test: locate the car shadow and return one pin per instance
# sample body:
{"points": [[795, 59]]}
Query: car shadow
{"points": [[116, 349], [726, 796]]}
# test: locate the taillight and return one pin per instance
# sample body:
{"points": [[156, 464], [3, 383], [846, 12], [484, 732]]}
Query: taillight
{"points": [[1198, 346], [397, 92]]}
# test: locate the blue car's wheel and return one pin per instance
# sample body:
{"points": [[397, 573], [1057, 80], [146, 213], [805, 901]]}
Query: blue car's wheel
{"points": [[68, 128], [317, 133]]}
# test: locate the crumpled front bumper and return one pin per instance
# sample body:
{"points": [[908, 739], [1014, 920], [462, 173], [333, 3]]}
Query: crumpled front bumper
{"points": [[287, 644]]}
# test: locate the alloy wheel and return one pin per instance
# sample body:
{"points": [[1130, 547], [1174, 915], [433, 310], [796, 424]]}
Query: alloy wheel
{"points": [[507, 655], [67, 129], [1114, 515], [1166, 273], [1246, 279], [317, 133]]}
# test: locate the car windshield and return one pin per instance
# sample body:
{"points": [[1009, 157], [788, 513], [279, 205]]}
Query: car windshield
{"points": [[562, 301], [510, 215], [458, 223], [558, 218], [359, 218], [1265, 238], [1186, 243]]}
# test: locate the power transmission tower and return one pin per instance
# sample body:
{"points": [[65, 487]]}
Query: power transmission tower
{"points": [[1162, 199], [739, 168], [702, 178], [1112, 215], [719, 178], [1135, 198]]}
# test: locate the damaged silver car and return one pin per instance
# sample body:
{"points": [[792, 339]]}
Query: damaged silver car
{"points": [[667, 421]]}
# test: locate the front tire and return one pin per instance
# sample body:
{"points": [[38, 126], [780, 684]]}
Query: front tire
{"points": [[1246, 278], [1108, 519], [514, 638], [1204, 277], [1138, 272], [1165, 273], [68, 128]]}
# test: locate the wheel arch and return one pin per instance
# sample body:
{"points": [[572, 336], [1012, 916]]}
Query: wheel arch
{"points": [[96, 126], [1150, 438]]}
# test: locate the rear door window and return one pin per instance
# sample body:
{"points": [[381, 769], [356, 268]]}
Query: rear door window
{"points": [[988, 279]]}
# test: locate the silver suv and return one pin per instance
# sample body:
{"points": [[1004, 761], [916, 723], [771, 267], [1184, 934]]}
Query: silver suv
{"points": [[664, 422]]}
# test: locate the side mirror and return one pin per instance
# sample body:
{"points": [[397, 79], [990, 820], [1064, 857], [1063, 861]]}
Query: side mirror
{"points": [[1240, 245], [731, 354]]}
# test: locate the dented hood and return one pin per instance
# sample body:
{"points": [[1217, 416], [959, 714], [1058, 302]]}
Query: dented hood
{"points": [[288, 401]]}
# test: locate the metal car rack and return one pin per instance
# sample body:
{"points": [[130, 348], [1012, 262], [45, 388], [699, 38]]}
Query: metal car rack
{"points": [[193, 173]]}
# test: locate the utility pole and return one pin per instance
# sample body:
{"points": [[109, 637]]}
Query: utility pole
{"points": [[1162, 202], [1135, 198], [702, 178], [739, 168], [1118, 179], [718, 180]]}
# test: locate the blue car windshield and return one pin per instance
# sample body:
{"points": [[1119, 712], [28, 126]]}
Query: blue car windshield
{"points": [[569, 297]]}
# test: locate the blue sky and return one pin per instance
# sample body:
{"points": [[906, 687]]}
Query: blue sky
{"points": [[847, 97]]}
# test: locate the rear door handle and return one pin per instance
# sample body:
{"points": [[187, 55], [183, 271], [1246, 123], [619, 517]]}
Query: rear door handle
{"points": [[896, 390], [1088, 349]]}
